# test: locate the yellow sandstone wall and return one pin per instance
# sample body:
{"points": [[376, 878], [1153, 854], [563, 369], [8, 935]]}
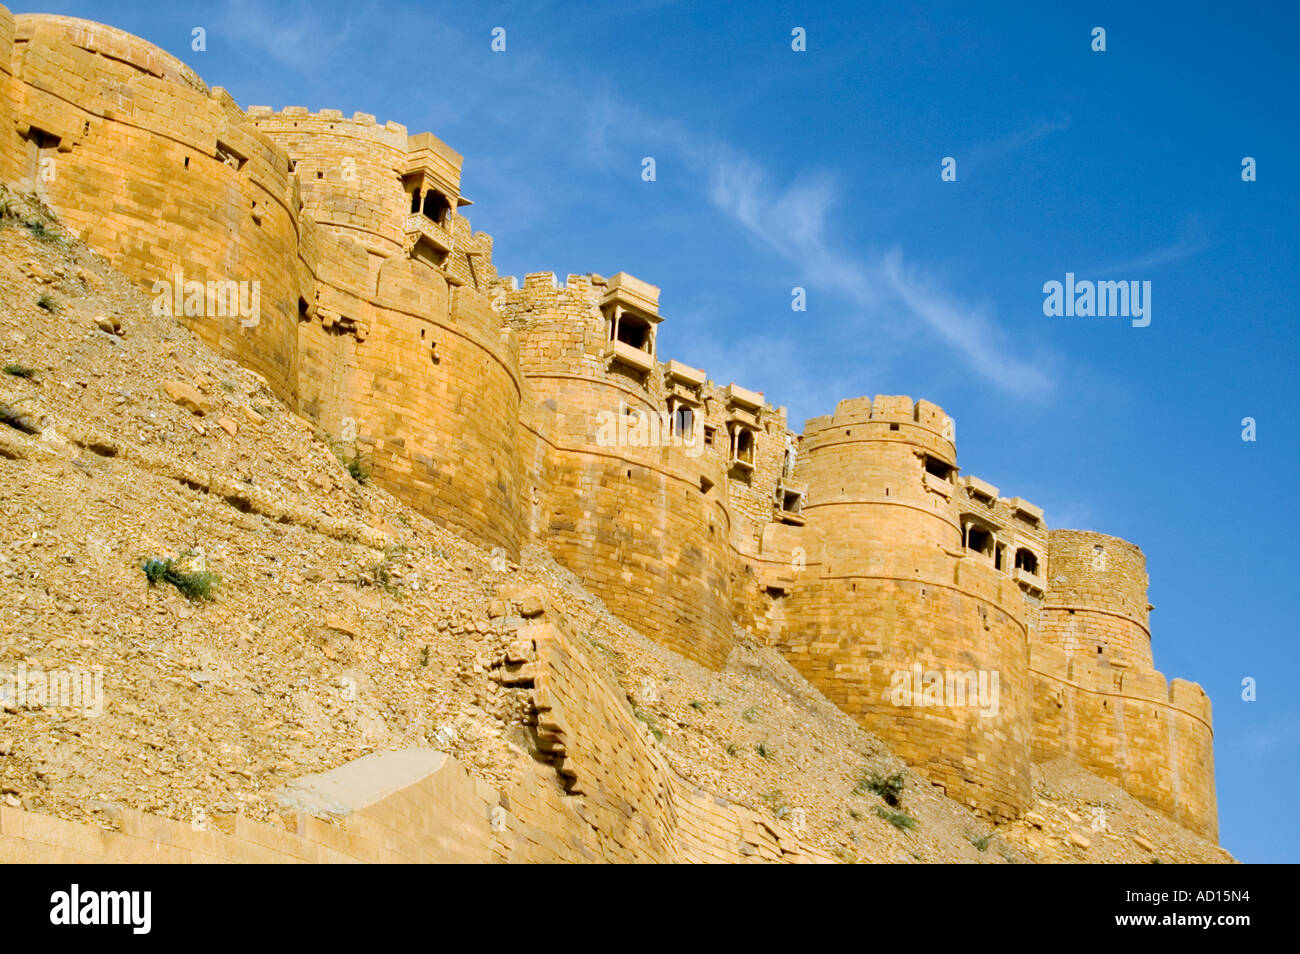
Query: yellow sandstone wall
{"points": [[888, 589], [1096, 601], [405, 352], [479, 402], [633, 521], [10, 157], [158, 173], [1097, 697]]}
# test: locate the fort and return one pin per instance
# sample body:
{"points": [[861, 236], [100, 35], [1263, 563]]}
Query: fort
{"points": [[856, 546]]}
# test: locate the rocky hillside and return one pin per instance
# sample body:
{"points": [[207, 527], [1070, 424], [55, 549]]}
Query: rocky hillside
{"points": [[257, 611]]}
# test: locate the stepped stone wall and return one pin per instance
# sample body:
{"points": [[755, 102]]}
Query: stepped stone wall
{"points": [[607, 796]]}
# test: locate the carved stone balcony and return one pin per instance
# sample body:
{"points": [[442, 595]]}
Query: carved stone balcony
{"points": [[419, 228], [940, 486], [1030, 581], [634, 358]]}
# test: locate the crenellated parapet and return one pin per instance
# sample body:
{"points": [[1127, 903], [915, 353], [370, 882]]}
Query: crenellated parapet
{"points": [[394, 193], [892, 456]]}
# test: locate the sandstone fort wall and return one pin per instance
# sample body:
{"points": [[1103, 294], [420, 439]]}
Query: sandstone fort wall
{"points": [[542, 412]]}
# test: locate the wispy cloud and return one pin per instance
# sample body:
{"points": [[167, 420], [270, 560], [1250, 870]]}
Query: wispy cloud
{"points": [[1013, 142], [1192, 241], [793, 223], [301, 38], [967, 328]]}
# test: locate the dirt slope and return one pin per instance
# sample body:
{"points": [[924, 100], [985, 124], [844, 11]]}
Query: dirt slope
{"points": [[343, 622]]}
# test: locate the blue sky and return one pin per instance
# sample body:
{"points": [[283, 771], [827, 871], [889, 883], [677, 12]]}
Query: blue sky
{"points": [[821, 169]]}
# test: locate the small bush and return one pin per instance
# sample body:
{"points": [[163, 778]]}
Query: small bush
{"points": [[193, 584], [751, 714], [48, 303], [357, 469], [732, 748], [649, 724], [888, 787], [697, 705], [900, 820], [424, 656], [19, 371], [764, 750], [379, 573], [41, 231], [981, 842], [351, 462]]}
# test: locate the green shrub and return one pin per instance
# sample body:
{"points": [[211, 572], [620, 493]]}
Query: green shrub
{"points": [[19, 371], [357, 469], [649, 724], [193, 584], [352, 462], [888, 787], [42, 231], [900, 820], [48, 303]]}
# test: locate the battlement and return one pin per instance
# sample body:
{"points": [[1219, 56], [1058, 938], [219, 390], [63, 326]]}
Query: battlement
{"points": [[391, 133], [426, 157], [1096, 571], [886, 418], [884, 409]]}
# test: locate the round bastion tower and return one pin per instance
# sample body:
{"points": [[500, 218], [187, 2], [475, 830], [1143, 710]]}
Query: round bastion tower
{"points": [[1099, 699], [610, 491], [1096, 601], [163, 176], [920, 640], [401, 350]]}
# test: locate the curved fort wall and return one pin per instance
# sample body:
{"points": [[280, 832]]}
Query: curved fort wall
{"points": [[607, 492], [1096, 602], [10, 158], [1098, 699], [161, 175], [400, 344], [488, 406], [890, 607]]}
